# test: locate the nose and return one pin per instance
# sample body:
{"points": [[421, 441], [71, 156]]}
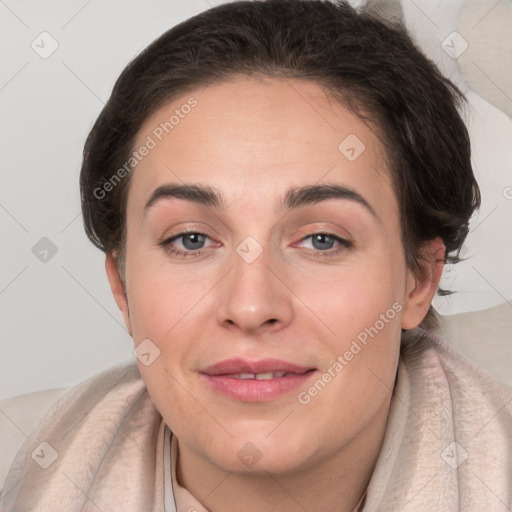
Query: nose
{"points": [[253, 296]]}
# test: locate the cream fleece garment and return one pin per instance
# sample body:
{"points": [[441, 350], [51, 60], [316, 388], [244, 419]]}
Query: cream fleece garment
{"points": [[447, 447]]}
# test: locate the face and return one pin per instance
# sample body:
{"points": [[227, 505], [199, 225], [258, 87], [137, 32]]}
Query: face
{"points": [[314, 280]]}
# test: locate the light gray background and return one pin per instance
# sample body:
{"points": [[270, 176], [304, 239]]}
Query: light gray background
{"points": [[58, 320]]}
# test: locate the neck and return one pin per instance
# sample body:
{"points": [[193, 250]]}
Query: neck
{"points": [[336, 483]]}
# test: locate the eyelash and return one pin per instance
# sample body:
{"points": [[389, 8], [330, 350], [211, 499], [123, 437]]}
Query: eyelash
{"points": [[345, 244]]}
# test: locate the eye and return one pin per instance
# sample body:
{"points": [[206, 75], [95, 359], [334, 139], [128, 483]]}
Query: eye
{"points": [[323, 243], [192, 242]]}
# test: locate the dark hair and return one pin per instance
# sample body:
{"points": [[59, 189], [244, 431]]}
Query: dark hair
{"points": [[364, 61]]}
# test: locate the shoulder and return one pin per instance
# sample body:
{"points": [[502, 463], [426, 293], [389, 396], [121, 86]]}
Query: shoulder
{"points": [[449, 439], [83, 433], [107, 395], [444, 380], [427, 353], [101, 401]]}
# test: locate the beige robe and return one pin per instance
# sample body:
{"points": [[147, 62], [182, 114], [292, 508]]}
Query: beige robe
{"points": [[447, 447]]}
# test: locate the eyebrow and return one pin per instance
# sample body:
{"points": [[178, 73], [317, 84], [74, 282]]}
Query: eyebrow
{"points": [[294, 198]]}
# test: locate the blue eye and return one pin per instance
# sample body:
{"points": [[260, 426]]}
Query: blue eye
{"points": [[320, 239], [323, 247], [193, 244], [193, 241]]}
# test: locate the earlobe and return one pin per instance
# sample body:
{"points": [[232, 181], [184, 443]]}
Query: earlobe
{"points": [[421, 291], [117, 287]]}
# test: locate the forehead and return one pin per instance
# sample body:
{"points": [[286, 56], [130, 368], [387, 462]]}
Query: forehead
{"points": [[255, 138]]}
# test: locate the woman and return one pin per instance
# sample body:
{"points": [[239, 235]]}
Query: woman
{"points": [[277, 187]]}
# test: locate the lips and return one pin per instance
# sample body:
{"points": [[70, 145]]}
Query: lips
{"points": [[255, 381], [239, 366]]}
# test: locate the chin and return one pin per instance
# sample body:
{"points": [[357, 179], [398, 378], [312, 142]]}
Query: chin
{"points": [[261, 453]]}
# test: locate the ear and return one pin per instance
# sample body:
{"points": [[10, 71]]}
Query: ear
{"points": [[116, 285], [420, 292]]}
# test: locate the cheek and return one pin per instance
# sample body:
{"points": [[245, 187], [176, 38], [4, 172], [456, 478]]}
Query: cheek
{"points": [[359, 312], [162, 310], [161, 298], [346, 300]]}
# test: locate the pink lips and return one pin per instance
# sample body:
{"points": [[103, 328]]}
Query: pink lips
{"points": [[237, 365], [222, 378]]}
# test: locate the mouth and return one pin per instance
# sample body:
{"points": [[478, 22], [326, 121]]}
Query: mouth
{"points": [[255, 381], [263, 367], [261, 376]]}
